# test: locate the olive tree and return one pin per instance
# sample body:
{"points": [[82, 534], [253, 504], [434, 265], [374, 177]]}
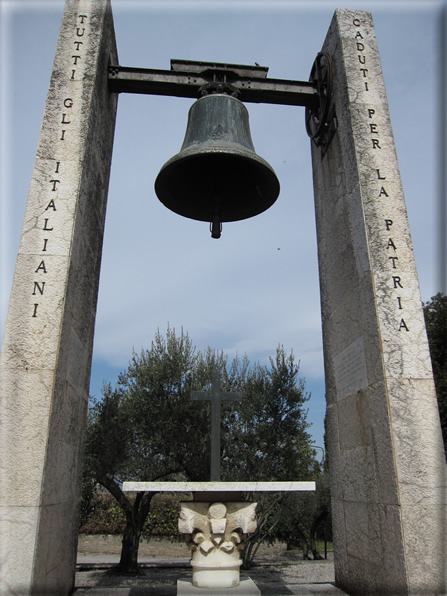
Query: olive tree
{"points": [[147, 428]]}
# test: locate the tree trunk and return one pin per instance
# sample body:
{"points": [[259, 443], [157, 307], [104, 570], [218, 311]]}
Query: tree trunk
{"points": [[304, 544], [132, 533], [247, 553], [136, 514], [252, 544], [313, 530], [129, 552]]}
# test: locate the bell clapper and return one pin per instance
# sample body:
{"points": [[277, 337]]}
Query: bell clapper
{"points": [[216, 227], [216, 224]]}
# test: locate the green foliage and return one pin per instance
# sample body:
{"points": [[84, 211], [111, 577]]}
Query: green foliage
{"points": [[105, 517], [296, 519], [147, 428], [267, 438], [435, 312], [163, 516], [87, 498]]}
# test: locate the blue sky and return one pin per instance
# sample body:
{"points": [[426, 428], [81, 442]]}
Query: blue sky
{"points": [[257, 286]]}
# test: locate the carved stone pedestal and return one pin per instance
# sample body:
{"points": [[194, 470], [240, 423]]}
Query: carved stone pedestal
{"points": [[217, 527], [216, 533]]}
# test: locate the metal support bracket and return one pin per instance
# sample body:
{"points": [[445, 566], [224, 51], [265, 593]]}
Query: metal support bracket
{"points": [[321, 121]]}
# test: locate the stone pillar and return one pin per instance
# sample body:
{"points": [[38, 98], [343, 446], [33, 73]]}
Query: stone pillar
{"points": [[47, 349], [387, 461]]}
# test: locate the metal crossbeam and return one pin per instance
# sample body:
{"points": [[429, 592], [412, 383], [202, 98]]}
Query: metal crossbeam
{"points": [[187, 83]]}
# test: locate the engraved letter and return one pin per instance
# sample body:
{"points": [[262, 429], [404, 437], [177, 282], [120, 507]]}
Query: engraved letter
{"points": [[51, 205], [63, 121], [79, 34], [399, 303], [362, 59], [403, 325], [383, 192], [390, 244], [356, 22], [379, 176], [75, 62], [358, 34], [375, 143], [396, 281], [82, 17], [389, 223], [41, 266], [54, 184], [39, 288], [371, 112], [373, 128], [360, 47], [77, 44], [68, 103], [44, 249], [45, 226], [394, 259], [35, 310]]}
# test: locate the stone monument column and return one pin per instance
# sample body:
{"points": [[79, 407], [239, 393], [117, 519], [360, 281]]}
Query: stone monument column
{"points": [[47, 348], [387, 461]]}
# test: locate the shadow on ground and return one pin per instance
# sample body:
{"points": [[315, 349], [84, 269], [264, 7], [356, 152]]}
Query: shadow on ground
{"points": [[281, 579]]}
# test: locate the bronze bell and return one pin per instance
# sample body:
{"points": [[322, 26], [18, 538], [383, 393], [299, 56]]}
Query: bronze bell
{"points": [[217, 176]]}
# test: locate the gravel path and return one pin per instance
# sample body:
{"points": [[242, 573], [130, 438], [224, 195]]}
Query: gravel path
{"points": [[276, 573]]}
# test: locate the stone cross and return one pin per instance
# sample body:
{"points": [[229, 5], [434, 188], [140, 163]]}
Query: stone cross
{"points": [[216, 396]]}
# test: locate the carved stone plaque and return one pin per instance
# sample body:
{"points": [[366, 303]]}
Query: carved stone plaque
{"points": [[350, 370]]}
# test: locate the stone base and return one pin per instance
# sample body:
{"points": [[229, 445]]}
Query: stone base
{"points": [[246, 587]]}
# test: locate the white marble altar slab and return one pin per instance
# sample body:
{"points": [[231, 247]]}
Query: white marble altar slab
{"points": [[185, 487]]}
